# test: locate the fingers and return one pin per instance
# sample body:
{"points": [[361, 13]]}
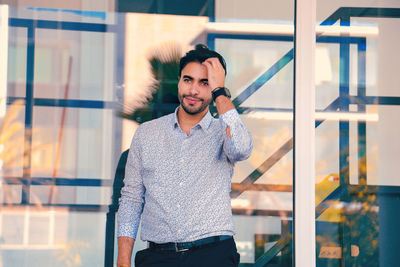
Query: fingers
{"points": [[213, 65], [207, 64], [213, 62], [216, 73]]}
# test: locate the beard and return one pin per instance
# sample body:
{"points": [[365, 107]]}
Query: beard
{"points": [[194, 109]]}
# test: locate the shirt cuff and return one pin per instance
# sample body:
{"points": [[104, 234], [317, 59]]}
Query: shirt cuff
{"points": [[230, 117], [126, 229]]}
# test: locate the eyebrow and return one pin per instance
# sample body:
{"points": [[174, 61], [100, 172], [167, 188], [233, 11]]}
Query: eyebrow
{"points": [[191, 78]]}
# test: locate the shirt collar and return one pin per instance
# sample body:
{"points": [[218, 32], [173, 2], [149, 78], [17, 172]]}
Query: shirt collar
{"points": [[204, 123], [175, 118]]}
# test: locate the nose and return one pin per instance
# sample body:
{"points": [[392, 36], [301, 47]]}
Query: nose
{"points": [[194, 89]]}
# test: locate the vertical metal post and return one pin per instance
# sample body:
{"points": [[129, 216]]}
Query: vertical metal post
{"points": [[362, 127], [3, 60], [344, 102], [119, 80], [344, 150], [30, 70], [304, 134], [211, 10]]}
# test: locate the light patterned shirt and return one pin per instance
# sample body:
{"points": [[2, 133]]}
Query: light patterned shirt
{"points": [[179, 184]]}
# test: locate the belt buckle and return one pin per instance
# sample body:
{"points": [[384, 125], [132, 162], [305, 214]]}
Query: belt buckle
{"points": [[179, 250]]}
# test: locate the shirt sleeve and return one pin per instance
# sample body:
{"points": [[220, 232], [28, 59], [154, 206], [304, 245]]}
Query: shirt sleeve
{"points": [[132, 194], [240, 145]]}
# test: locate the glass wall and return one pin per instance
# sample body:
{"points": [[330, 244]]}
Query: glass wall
{"points": [[60, 136], [357, 105], [75, 89], [78, 84], [258, 45]]}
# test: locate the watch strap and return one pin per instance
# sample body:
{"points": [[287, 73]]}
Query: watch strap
{"points": [[220, 91]]}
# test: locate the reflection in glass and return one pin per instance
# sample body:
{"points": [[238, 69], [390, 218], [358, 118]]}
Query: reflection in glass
{"points": [[77, 74], [355, 163]]}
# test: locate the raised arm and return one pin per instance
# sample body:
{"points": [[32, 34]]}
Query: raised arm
{"points": [[238, 143]]}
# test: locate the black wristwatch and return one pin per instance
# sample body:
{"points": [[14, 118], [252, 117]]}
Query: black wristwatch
{"points": [[220, 91]]}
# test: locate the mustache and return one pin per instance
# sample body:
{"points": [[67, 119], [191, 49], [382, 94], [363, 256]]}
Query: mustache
{"points": [[194, 97]]}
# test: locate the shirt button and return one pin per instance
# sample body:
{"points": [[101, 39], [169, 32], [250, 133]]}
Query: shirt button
{"points": [[178, 206], [179, 230], [180, 184], [182, 161]]}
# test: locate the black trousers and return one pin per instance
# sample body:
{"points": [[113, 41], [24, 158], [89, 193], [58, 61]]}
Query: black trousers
{"points": [[219, 254]]}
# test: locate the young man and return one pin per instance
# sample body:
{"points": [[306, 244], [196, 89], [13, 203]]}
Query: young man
{"points": [[178, 174]]}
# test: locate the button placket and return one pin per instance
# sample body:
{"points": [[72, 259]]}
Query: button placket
{"points": [[183, 161], [179, 158]]}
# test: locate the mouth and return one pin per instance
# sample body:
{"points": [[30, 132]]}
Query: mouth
{"points": [[192, 100]]}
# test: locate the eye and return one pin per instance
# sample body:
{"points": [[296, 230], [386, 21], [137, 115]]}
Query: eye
{"points": [[205, 83], [186, 80]]}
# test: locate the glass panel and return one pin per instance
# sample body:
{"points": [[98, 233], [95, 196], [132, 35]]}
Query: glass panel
{"points": [[357, 188], [12, 133], [70, 143], [52, 236], [57, 157], [249, 59], [260, 77], [85, 77], [77, 69], [82, 195], [17, 39]]}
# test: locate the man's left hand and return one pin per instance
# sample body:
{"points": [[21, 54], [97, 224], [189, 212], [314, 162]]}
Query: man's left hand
{"points": [[216, 73]]}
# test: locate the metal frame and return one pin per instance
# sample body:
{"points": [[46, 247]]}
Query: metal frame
{"points": [[30, 102], [3, 58], [31, 25], [345, 99], [304, 253], [342, 103]]}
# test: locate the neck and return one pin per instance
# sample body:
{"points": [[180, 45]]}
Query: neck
{"points": [[187, 121]]}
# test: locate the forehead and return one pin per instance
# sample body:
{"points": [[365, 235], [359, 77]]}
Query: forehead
{"points": [[195, 70]]}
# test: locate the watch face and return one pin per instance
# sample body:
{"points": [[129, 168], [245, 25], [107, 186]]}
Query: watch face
{"points": [[227, 92]]}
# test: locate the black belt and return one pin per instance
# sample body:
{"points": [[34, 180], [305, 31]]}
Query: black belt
{"points": [[179, 247]]}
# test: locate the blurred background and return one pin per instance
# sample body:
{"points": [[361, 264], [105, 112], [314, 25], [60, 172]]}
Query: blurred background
{"points": [[77, 78]]}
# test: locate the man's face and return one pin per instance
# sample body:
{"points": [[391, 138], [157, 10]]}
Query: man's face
{"points": [[194, 92]]}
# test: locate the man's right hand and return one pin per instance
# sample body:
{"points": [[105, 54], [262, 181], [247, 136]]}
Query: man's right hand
{"points": [[125, 247]]}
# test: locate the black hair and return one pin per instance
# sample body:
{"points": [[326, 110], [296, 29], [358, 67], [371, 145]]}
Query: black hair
{"points": [[200, 54]]}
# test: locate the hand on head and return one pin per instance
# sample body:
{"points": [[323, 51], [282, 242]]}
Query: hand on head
{"points": [[216, 73]]}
